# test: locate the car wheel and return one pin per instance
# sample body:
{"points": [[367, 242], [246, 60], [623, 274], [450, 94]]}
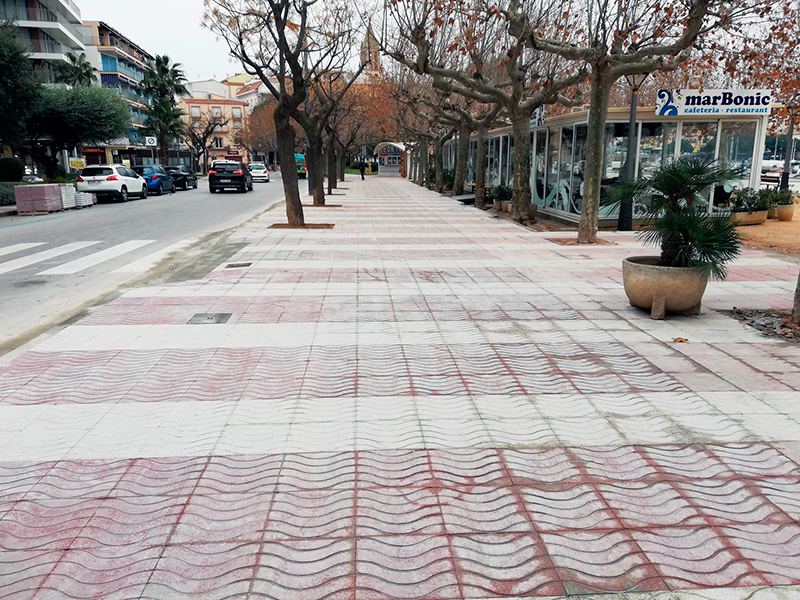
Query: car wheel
{"points": [[144, 192], [185, 185], [123, 194], [160, 191]]}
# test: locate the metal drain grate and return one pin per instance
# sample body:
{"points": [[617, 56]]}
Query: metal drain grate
{"points": [[238, 265], [209, 318]]}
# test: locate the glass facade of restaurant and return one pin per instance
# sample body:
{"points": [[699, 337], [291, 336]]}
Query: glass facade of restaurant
{"points": [[558, 154]]}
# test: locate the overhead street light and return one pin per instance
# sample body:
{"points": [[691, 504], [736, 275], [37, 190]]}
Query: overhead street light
{"points": [[635, 81]]}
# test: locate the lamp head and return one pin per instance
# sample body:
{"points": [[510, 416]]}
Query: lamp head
{"points": [[635, 80]]}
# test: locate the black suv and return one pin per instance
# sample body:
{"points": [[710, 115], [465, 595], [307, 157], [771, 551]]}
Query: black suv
{"points": [[228, 174], [183, 176]]}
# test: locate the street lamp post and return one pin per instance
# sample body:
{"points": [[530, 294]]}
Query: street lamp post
{"points": [[625, 221], [787, 160]]}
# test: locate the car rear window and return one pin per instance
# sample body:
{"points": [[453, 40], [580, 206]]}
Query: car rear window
{"points": [[96, 171], [173, 169], [257, 166], [144, 170], [227, 167]]}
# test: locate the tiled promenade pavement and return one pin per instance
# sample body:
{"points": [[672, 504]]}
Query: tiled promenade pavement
{"points": [[424, 402]]}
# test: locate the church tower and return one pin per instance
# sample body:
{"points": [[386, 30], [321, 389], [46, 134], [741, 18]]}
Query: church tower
{"points": [[371, 53]]}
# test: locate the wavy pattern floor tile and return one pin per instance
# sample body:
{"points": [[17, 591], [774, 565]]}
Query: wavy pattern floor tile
{"points": [[422, 403]]}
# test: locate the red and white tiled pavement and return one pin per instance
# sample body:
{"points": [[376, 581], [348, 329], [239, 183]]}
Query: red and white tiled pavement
{"points": [[423, 402]]}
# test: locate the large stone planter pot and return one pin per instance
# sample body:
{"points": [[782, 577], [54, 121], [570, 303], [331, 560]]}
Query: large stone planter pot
{"points": [[785, 212], [772, 213], [753, 218], [662, 289]]}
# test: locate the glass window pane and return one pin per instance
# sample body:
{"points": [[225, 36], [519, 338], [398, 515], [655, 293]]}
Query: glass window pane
{"points": [[616, 152], [565, 169], [699, 140], [510, 168], [538, 167], [551, 167], [656, 147], [493, 167], [578, 169], [504, 161], [736, 145]]}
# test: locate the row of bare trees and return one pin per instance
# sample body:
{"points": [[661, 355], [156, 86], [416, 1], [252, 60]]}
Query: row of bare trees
{"points": [[469, 64]]}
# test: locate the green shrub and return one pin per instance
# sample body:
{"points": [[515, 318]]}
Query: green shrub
{"points": [[7, 195], [504, 193], [784, 197], [749, 200], [11, 169], [449, 179]]}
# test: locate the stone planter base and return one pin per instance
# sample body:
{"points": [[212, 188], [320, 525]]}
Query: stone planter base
{"points": [[662, 289], [772, 213], [786, 212], [754, 218]]}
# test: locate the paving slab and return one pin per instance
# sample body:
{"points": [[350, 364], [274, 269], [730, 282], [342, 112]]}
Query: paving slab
{"points": [[422, 402]]}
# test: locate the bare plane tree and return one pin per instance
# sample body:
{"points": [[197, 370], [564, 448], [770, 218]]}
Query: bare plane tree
{"points": [[291, 46]]}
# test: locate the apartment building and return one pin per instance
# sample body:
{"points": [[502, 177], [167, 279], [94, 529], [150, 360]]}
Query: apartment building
{"points": [[223, 143], [50, 28], [121, 64]]}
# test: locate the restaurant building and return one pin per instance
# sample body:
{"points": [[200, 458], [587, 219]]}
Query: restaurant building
{"points": [[729, 126]]}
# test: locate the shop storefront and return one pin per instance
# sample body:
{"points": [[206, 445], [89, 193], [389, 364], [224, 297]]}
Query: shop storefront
{"points": [[391, 159], [729, 126]]}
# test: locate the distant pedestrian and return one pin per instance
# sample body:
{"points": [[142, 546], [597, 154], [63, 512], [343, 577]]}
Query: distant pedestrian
{"points": [[362, 166]]}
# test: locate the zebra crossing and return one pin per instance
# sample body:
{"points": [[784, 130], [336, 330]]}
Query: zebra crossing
{"points": [[31, 255]]}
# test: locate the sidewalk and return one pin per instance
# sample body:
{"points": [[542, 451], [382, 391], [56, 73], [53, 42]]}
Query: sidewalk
{"points": [[423, 402]]}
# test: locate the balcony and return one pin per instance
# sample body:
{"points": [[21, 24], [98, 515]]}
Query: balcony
{"points": [[45, 47], [39, 16]]}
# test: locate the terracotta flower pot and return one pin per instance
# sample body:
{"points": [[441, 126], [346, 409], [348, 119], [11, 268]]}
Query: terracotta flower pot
{"points": [[753, 218], [663, 289], [785, 212]]}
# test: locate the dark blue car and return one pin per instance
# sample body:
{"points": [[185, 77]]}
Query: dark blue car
{"points": [[157, 178]]}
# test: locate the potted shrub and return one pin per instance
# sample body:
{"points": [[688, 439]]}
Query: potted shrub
{"points": [[694, 245], [750, 207], [502, 198], [785, 200]]}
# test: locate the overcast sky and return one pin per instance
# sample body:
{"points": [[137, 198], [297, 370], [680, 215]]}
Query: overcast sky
{"points": [[170, 27]]}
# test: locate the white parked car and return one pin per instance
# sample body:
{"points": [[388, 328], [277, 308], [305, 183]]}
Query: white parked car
{"points": [[259, 172], [112, 181]]}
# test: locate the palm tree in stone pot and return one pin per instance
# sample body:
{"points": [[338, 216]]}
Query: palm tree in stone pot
{"points": [[695, 245]]}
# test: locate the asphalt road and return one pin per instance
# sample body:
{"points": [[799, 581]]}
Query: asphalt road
{"points": [[52, 266]]}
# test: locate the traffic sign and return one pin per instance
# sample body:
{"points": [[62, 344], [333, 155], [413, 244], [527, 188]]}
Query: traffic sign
{"points": [[150, 140]]}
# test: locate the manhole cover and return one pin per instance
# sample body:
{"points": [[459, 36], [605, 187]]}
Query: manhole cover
{"points": [[209, 318], [238, 265]]}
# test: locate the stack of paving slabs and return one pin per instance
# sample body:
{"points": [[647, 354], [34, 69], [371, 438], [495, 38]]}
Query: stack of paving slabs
{"points": [[67, 192], [84, 200], [32, 199]]}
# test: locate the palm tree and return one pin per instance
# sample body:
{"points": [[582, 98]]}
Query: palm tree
{"points": [[164, 120], [77, 72], [162, 81]]}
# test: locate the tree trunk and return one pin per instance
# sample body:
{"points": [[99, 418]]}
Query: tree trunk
{"points": [[331, 164], [595, 154], [286, 141], [521, 200], [438, 164], [796, 307], [423, 165], [462, 158], [317, 168], [342, 161], [163, 150], [480, 167]]}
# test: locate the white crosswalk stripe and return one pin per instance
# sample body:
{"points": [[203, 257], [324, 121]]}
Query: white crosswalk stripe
{"points": [[19, 248], [86, 262], [26, 261], [145, 264]]}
